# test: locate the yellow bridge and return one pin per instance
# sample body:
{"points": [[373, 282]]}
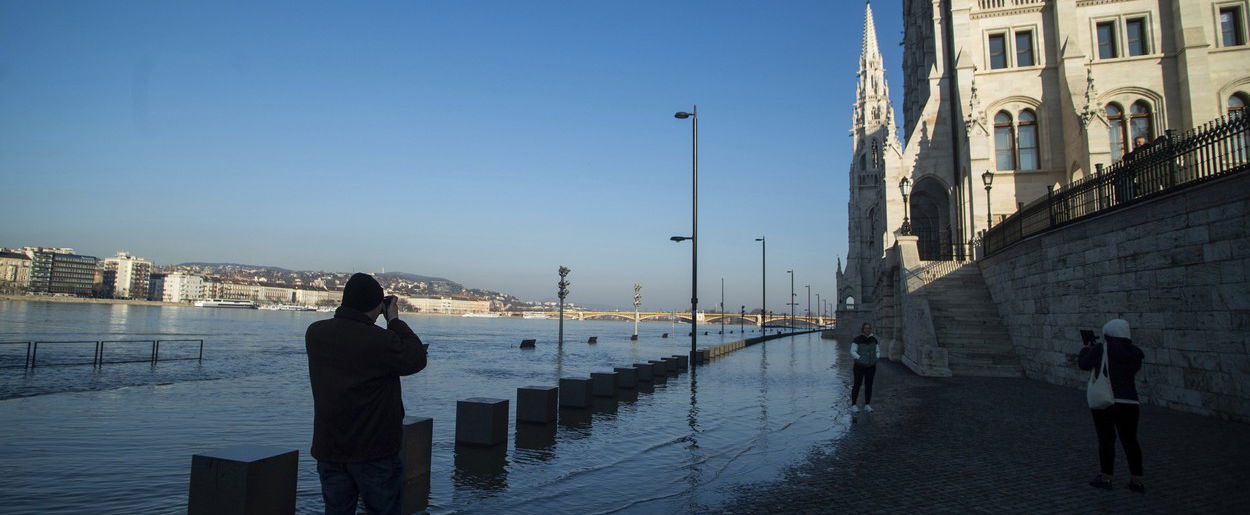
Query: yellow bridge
{"points": [[684, 317]]}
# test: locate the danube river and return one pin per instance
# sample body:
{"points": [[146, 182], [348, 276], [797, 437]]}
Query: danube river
{"points": [[119, 439]]}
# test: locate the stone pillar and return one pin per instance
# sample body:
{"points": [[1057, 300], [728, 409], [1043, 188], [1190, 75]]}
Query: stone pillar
{"points": [[245, 479], [626, 377], [575, 392], [537, 404], [683, 361], [481, 421], [603, 384]]}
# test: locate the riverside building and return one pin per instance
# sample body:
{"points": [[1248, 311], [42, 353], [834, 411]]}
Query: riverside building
{"points": [[127, 275], [61, 271], [14, 271], [182, 287]]}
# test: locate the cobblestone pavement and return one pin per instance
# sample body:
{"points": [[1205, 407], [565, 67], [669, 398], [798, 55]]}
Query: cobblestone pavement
{"points": [[959, 445]]}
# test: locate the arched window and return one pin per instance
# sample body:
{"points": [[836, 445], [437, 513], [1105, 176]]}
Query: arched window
{"points": [[876, 155], [1237, 103], [1027, 133], [1116, 131], [863, 163], [1004, 141], [1141, 123]]}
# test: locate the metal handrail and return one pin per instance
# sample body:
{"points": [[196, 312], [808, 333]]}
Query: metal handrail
{"points": [[1218, 148], [25, 364], [97, 360]]}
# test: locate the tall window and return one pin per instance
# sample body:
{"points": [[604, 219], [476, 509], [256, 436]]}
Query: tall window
{"points": [[1232, 32], [1004, 142], [1107, 48], [876, 154], [1024, 48], [863, 166], [1137, 42], [998, 51], [1028, 140], [1116, 131], [1140, 121]]}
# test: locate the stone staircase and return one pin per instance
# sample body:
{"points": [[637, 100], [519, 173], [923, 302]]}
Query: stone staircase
{"points": [[968, 326]]}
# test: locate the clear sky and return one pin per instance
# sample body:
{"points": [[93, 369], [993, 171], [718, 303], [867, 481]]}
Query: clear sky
{"points": [[485, 142]]}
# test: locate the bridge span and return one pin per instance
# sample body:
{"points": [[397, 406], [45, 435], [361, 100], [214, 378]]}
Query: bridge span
{"points": [[684, 317]]}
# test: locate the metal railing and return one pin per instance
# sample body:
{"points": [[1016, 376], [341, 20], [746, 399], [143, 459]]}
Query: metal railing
{"points": [[1215, 149], [97, 358]]}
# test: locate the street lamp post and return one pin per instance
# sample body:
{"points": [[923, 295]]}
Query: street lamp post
{"points": [[792, 303], [988, 179], [637, 302], [694, 231], [809, 300], [905, 187], [742, 313], [820, 318], [763, 279], [562, 293], [722, 305]]}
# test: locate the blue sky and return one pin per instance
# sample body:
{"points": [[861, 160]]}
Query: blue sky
{"points": [[485, 142]]}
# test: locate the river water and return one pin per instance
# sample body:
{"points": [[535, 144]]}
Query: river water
{"points": [[119, 439]]}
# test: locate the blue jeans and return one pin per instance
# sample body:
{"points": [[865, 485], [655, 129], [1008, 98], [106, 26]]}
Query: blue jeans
{"points": [[378, 483]]}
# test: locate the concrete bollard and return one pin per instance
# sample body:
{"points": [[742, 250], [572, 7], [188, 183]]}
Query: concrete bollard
{"points": [[575, 392], [659, 372], [481, 421], [673, 369], [644, 372], [665, 335], [603, 384], [683, 361], [592, 339], [245, 479], [528, 344], [633, 337], [537, 404], [626, 377], [417, 442]]}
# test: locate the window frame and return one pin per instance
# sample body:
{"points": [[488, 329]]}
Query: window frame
{"points": [[989, 50], [1145, 36], [1098, 41], [1149, 116], [1035, 124], [1010, 126], [1241, 38], [1011, 56], [1122, 119], [1119, 22], [1242, 97]]}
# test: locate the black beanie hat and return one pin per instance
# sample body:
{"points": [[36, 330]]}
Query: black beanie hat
{"points": [[362, 292]]}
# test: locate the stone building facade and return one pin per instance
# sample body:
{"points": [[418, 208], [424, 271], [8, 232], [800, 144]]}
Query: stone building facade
{"points": [[1036, 92]]}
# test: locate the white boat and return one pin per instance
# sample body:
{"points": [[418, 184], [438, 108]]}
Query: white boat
{"points": [[287, 307], [535, 315], [222, 303], [480, 315]]}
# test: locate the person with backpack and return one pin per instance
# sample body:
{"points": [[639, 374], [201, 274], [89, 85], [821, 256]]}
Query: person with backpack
{"points": [[1115, 412]]}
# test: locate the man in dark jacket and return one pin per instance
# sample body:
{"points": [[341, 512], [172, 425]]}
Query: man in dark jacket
{"points": [[358, 409]]}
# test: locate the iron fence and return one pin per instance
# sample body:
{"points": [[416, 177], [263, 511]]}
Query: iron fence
{"points": [[97, 358], [1172, 162]]}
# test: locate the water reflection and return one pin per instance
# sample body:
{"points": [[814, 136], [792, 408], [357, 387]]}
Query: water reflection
{"points": [[540, 438], [627, 394], [481, 468], [603, 405]]}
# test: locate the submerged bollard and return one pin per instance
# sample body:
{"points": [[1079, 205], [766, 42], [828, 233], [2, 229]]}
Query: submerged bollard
{"points": [[659, 371], [683, 361], [481, 421], [665, 335], [671, 365], [592, 339], [418, 439], [537, 404], [603, 384], [644, 372], [575, 392], [633, 337], [528, 344], [626, 377], [245, 479]]}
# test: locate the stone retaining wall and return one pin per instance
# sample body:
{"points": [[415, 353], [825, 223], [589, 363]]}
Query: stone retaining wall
{"points": [[1176, 268]]}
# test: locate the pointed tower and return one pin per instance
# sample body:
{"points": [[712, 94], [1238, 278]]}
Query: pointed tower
{"points": [[875, 161]]}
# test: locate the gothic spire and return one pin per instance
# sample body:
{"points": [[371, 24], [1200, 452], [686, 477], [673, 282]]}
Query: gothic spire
{"points": [[873, 109]]}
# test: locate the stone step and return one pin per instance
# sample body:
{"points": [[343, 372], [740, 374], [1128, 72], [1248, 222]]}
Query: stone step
{"points": [[986, 370]]}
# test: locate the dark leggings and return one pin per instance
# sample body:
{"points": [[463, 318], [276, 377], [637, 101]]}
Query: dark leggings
{"points": [[863, 375], [1122, 419]]}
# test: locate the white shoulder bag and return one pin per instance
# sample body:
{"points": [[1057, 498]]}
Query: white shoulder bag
{"points": [[1098, 393]]}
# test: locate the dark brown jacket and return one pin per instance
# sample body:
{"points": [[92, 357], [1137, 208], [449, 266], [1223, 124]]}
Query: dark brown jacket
{"points": [[355, 366]]}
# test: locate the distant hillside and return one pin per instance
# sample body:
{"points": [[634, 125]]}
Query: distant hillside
{"points": [[417, 278], [201, 264]]}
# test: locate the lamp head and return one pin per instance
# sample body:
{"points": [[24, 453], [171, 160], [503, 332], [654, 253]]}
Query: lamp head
{"points": [[988, 178], [680, 238], [905, 186], [681, 115]]}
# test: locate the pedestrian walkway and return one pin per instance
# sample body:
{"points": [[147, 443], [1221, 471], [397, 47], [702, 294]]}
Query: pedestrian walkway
{"points": [[1002, 445]]}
